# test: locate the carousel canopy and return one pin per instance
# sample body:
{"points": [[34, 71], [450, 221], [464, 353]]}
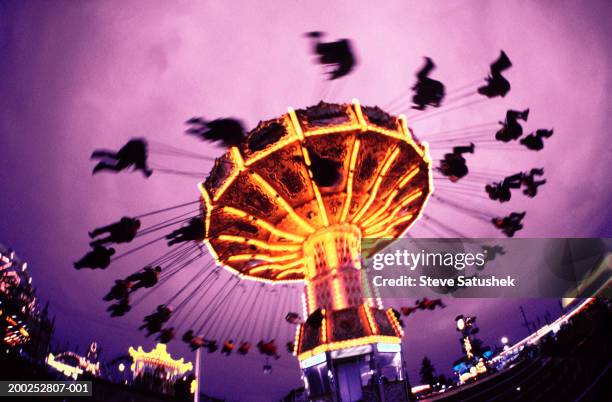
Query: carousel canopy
{"points": [[330, 167]]}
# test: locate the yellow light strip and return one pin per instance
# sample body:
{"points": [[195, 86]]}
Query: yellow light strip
{"points": [[411, 173], [387, 229], [276, 267], [290, 138], [339, 301], [226, 184], [237, 157], [312, 302], [323, 327], [349, 184], [385, 224], [343, 128], [403, 123], [427, 160], [351, 125], [388, 133], [300, 134], [262, 268], [394, 322], [349, 344], [405, 201], [315, 188], [288, 272], [268, 151], [263, 257], [406, 131], [208, 205], [260, 244], [389, 158], [320, 204], [409, 177], [310, 270], [296, 124], [237, 168], [296, 342], [244, 276], [359, 113], [265, 225], [371, 322], [283, 203], [331, 253], [304, 306]]}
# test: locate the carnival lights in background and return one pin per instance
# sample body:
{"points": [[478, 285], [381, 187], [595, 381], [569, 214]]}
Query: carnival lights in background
{"points": [[158, 357], [74, 365], [16, 298]]}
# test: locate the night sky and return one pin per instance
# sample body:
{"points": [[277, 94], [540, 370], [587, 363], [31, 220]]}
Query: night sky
{"points": [[75, 76]]}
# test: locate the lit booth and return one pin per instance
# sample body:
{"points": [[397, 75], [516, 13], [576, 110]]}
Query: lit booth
{"points": [[355, 355]]}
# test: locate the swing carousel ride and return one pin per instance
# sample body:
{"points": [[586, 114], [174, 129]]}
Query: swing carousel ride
{"points": [[272, 216], [287, 206]]}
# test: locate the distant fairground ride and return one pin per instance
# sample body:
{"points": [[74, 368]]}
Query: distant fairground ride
{"points": [[73, 365], [293, 204], [157, 369]]}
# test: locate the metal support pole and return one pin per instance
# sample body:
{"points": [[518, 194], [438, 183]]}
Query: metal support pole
{"points": [[196, 394]]}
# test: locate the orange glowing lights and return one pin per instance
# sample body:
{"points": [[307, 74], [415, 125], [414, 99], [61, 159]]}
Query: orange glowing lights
{"points": [[263, 202], [349, 344], [395, 322], [371, 322]]}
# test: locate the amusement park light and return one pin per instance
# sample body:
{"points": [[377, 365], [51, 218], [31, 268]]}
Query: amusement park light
{"points": [[460, 324], [395, 322], [67, 370], [159, 356], [388, 347], [504, 340], [348, 344], [313, 361], [121, 367]]}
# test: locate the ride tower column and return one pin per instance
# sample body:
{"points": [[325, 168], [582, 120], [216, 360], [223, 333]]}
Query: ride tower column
{"points": [[349, 347]]}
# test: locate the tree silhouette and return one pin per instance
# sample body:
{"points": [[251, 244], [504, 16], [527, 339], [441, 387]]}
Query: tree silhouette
{"points": [[428, 372]]}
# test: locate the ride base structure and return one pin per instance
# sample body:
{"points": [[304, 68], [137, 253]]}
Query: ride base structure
{"points": [[293, 203]]}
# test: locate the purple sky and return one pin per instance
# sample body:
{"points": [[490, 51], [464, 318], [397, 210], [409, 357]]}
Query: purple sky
{"points": [[75, 76]]}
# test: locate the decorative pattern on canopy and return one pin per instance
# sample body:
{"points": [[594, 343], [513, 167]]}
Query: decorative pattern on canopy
{"points": [[329, 165]]}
